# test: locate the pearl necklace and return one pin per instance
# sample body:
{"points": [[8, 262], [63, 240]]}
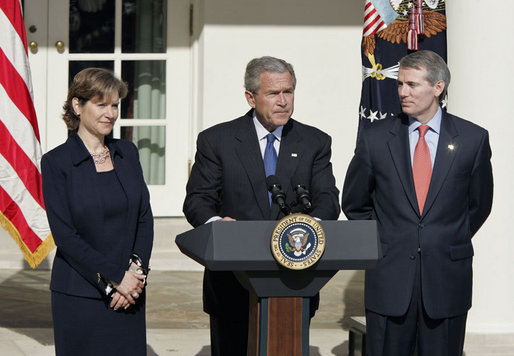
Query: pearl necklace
{"points": [[100, 158]]}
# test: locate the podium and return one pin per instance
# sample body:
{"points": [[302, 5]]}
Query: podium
{"points": [[279, 297]]}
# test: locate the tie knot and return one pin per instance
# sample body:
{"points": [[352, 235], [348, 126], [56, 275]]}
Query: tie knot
{"points": [[271, 138], [422, 130]]}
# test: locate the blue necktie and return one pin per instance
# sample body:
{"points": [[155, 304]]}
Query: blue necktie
{"points": [[270, 159]]}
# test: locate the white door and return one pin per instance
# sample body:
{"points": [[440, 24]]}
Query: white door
{"points": [[146, 42]]}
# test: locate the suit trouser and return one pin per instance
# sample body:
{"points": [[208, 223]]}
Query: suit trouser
{"points": [[398, 336], [228, 337]]}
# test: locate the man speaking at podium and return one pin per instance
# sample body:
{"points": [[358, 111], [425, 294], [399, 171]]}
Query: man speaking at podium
{"points": [[228, 182]]}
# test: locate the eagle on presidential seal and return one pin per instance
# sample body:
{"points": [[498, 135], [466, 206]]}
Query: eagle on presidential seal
{"points": [[297, 240]]}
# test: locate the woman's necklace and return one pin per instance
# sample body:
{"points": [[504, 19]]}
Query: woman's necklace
{"points": [[100, 158]]}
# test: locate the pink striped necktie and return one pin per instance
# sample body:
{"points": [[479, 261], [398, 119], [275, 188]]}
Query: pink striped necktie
{"points": [[422, 168]]}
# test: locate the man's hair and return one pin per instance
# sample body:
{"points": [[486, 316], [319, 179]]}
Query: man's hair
{"points": [[436, 67], [88, 84], [265, 64]]}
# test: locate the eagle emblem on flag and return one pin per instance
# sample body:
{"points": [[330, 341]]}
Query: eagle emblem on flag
{"points": [[411, 16], [391, 30]]}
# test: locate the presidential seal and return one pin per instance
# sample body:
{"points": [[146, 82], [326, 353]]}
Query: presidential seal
{"points": [[298, 241]]}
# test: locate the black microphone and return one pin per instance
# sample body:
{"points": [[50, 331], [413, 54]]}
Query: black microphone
{"points": [[277, 195], [303, 196]]}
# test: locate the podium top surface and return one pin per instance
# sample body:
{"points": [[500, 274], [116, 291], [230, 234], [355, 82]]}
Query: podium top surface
{"points": [[245, 245]]}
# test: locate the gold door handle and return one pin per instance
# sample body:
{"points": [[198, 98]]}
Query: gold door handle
{"points": [[60, 46], [33, 46]]}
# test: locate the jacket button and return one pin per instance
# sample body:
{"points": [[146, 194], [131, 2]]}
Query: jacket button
{"points": [[421, 226], [412, 257]]}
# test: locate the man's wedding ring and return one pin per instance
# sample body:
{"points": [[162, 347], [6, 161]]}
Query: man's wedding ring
{"points": [[135, 294]]}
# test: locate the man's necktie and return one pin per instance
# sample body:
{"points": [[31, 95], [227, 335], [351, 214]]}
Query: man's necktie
{"points": [[270, 159], [422, 168]]}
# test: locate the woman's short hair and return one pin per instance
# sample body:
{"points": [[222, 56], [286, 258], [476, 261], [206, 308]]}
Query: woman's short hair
{"points": [[88, 84]]}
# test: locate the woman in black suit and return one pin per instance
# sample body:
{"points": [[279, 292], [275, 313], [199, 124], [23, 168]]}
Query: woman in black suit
{"points": [[99, 212]]}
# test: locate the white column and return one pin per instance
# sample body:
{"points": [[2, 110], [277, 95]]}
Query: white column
{"points": [[481, 58]]}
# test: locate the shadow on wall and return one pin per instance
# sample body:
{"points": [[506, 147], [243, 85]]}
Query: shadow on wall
{"points": [[353, 299], [285, 12]]}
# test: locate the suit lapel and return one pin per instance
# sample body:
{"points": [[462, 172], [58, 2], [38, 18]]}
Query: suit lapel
{"points": [[288, 157], [249, 153], [400, 153], [443, 159]]}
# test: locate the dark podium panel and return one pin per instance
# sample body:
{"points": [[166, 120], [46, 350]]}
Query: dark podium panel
{"points": [[243, 247]]}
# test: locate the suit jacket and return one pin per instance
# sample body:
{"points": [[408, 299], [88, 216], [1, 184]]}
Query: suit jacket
{"points": [[85, 257], [228, 179], [379, 185]]}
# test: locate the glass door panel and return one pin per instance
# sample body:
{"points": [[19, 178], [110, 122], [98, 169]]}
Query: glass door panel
{"points": [[151, 141], [144, 26], [144, 29], [146, 98], [92, 26]]}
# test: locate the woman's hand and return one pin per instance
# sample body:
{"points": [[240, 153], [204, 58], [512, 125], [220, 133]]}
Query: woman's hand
{"points": [[131, 286], [119, 301]]}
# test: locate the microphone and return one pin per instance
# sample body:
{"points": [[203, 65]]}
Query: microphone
{"points": [[277, 195], [303, 196]]}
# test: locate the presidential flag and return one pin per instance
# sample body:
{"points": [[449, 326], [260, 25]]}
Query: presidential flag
{"points": [[22, 210], [392, 29]]}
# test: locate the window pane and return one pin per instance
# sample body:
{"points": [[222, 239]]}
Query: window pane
{"points": [[144, 26], [146, 98], [91, 26], [150, 140]]}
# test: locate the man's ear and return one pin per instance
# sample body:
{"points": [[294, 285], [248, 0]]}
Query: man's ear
{"points": [[439, 87], [250, 98]]}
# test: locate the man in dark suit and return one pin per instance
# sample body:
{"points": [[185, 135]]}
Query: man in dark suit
{"points": [[426, 177], [228, 182]]}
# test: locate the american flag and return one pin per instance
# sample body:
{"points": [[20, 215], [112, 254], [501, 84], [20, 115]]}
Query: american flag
{"points": [[385, 41], [374, 19], [22, 210]]}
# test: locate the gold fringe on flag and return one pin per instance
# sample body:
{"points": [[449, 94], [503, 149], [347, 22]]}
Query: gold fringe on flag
{"points": [[32, 258]]}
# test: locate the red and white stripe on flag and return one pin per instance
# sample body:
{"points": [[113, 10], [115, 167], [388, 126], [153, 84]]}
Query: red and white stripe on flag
{"points": [[372, 20], [22, 210]]}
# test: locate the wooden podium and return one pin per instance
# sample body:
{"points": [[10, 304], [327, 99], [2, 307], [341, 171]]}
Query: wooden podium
{"points": [[279, 297]]}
